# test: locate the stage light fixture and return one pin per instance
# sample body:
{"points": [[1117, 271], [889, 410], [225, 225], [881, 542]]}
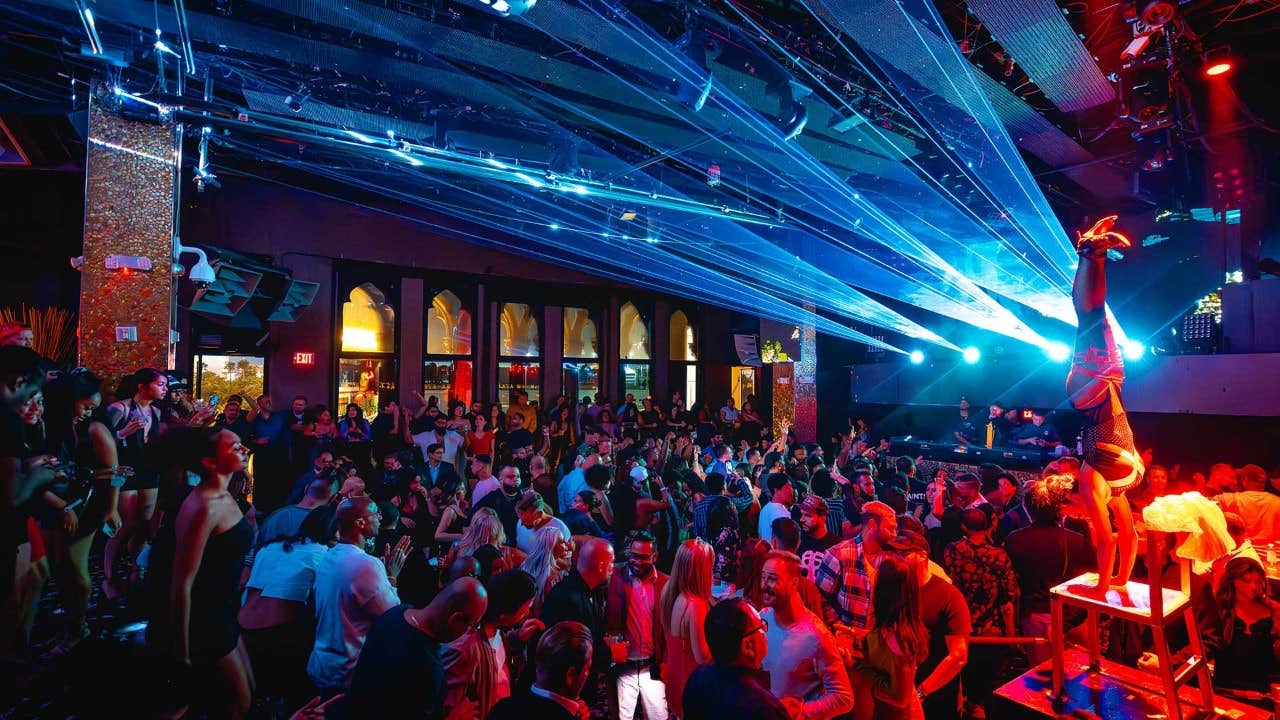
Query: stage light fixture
{"points": [[972, 355], [917, 357], [1218, 69], [509, 8], [1058, 352], [1134, 350]]}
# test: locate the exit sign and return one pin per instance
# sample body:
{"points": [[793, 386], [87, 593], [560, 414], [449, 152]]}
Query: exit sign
{"points": [[304, 359]]}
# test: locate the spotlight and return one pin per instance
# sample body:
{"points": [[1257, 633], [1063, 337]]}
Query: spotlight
{"points": [[917, 357], [1058, 352], [1219, 68], [1218, 62], [972, 355], [507, 8], [1134, 350]]}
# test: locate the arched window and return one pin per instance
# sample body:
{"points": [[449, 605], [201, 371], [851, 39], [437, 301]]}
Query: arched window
{"points": [[633, 345], [683, 342], [683, 353], [518, 331], [447, 369], [519, 347], [633, 334], [367, 350], [448, 326], [368, 322], [580, 373]]}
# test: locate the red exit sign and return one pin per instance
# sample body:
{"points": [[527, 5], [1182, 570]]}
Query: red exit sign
{"points": [[304, 359]]}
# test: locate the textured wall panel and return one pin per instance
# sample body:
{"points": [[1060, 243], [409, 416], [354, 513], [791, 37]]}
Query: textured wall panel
{"points": [[1044, 44], [128, 211]]}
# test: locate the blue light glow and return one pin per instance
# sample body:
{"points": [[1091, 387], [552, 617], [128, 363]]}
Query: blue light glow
{"points": [[972, 355], [917, 357], [1134, 350], [1058, 352]]}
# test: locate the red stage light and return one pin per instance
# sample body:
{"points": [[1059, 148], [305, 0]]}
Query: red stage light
{"points": [[1219, 68]]}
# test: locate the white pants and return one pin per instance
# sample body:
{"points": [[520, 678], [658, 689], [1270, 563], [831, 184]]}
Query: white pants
{"points": [[636, 683]]}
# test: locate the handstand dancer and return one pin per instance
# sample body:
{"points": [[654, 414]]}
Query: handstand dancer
{"points": [[1110, 463]]}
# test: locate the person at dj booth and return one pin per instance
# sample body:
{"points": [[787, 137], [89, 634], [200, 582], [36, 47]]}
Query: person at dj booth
{"points": [[1039, 433], [966, 430], [995, 430]]}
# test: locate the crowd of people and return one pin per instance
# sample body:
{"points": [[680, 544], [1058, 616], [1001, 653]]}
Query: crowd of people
{"points": [[582, 560]]}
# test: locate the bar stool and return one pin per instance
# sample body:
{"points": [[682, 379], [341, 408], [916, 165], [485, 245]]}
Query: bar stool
{"points": [[1163, 610]]}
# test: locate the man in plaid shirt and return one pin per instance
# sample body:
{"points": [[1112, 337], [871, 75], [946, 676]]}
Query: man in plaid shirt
{"points": [[847, 574]]}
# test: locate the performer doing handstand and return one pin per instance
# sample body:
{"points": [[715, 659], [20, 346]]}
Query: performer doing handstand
{"points": [[1110, 464]]}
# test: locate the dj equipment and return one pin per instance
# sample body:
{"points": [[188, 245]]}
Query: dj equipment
{"points": [[1005, 457]]}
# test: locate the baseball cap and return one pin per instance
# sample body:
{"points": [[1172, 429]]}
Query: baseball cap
{"points": [[815, 505]]}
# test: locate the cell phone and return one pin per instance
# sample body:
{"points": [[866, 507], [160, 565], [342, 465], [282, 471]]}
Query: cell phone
{"points": [[108, 530], [214, 399]]}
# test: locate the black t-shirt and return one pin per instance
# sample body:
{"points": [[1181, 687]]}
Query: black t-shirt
{"points": [[12, 435], [1043, 556], [812, 551], [943, 612], [399, 673], [967, 428]]}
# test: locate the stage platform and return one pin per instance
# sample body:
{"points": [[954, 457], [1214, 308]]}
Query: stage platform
{"points": [[1117, 692]]}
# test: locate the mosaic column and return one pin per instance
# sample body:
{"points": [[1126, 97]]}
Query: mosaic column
{"points": [[806, 387], [126, 287]]}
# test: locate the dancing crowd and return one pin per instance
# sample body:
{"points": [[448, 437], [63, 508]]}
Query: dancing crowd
{"points": [[588, 559]]}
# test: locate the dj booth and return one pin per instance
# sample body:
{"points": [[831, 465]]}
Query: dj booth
{"points": [[1009, 458]]}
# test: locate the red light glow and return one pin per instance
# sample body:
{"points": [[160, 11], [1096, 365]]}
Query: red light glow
{"points": [[1218, 68]]}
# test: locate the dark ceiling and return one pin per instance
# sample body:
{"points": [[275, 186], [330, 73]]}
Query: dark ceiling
{"points": [[795, 146]]}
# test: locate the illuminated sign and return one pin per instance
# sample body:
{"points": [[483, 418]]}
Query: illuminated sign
{"points": [[304, 359]]}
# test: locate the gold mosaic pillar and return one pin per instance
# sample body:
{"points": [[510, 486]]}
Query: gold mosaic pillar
{"points": [[784, 395], [128, 221]]}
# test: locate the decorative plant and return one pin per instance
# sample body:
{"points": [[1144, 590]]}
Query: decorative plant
{"points": [[53, 330], [771, 352]]}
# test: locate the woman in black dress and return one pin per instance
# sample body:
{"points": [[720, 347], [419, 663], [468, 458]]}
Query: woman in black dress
{"points": [[135, 420], [211, 537]]}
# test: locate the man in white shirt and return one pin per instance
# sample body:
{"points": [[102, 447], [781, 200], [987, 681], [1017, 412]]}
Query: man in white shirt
{"points": [[534, 515], [782, 495], [485, 481], [803, 663], [352, 589]]}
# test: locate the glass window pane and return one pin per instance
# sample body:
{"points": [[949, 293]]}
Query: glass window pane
{"points": [[518, 331], [682, 339], [580, 380], [227, 375], [635, 380], [742, 383], [633, 336], [448, 326], [690, 385], [449, 380], [367, 382], [579, 333], [368, 322], [523, 375]]}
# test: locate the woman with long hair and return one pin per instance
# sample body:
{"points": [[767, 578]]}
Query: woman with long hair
{"points": [[355, 434], [608, 425], [73, 510], [448, 498], [135, 420], [319, 429], [485, 528], [750, 563], [683, 607], [455, 434], [563, 435], [202, 556], [896, 645], [411, 498], [750, 424], [548, 563], [1242, 633], [480, 438]]}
